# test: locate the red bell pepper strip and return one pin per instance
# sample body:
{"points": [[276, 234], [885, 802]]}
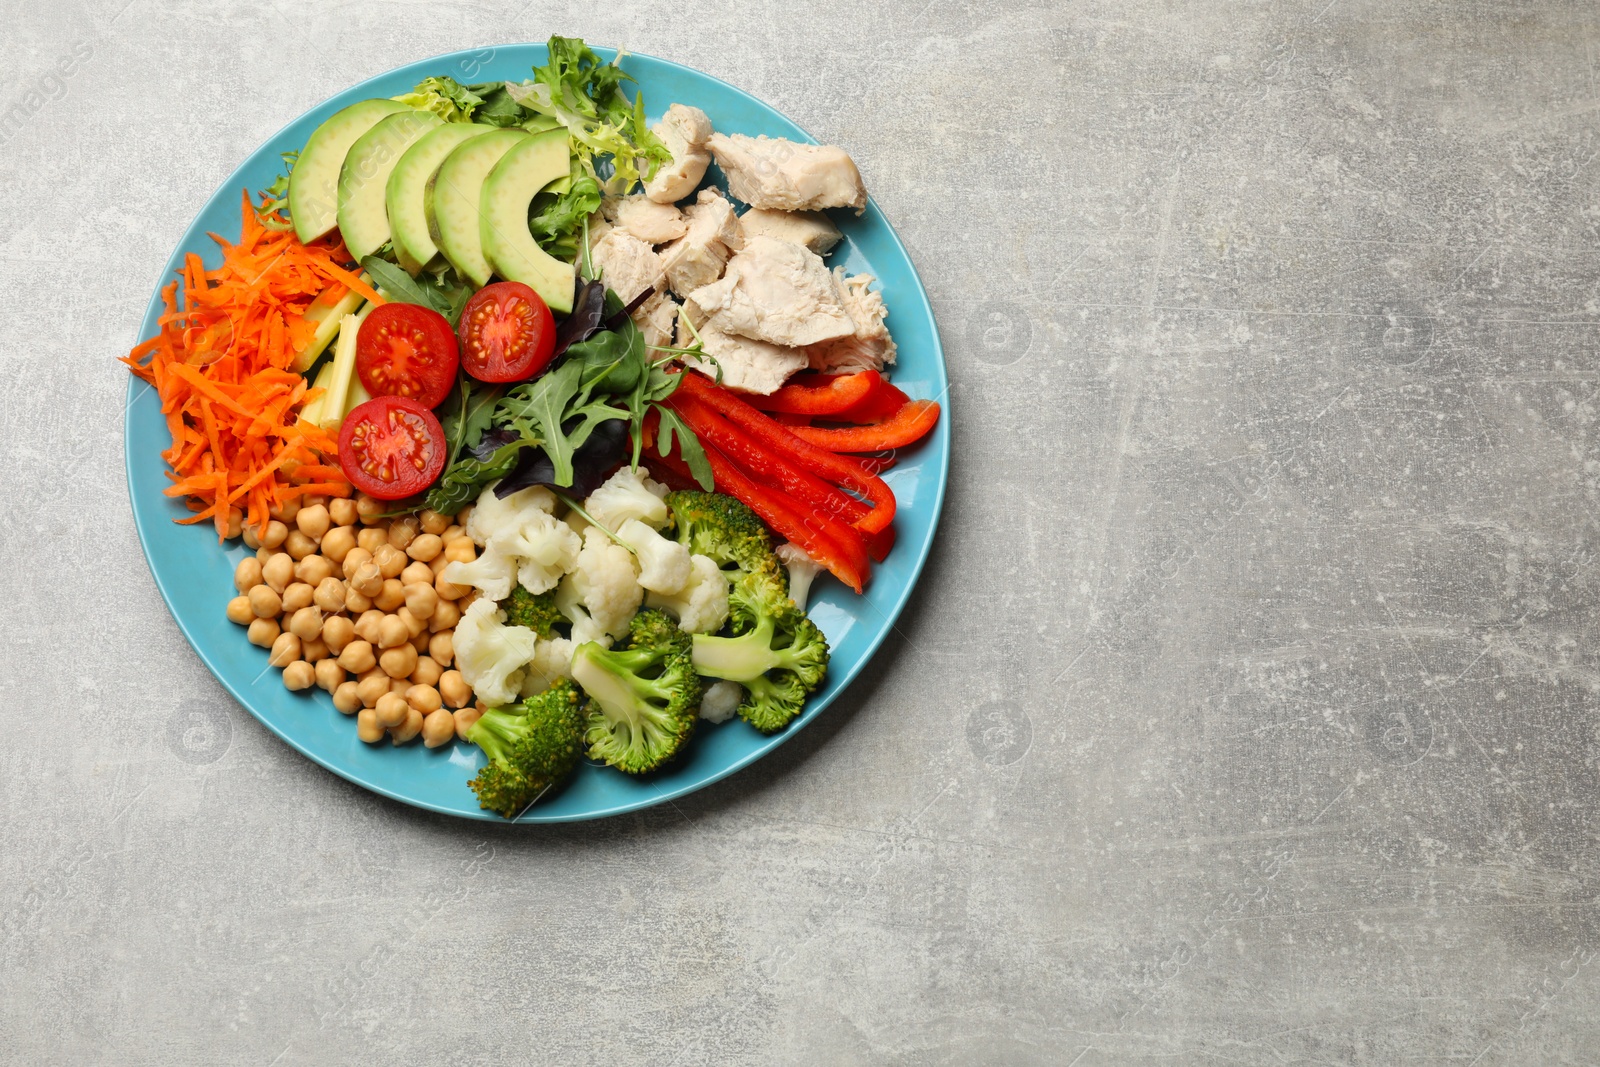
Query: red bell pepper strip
{"points": [[876, 406], [839, 470], [880, 544], [761, 462], [876, 464], [819, 394], [837, 547], [908, 425]]}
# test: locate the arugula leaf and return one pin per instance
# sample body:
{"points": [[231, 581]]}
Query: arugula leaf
{"points": [[592, 462], [688, 447], [466, 413], [427, 290], [465, 479], [445, 97], [558, 408]]}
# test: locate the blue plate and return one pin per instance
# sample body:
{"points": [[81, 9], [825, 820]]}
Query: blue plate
{"points": [[195, 574]]}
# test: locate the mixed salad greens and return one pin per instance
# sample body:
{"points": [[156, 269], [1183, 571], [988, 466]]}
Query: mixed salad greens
{"points": [[530, 488]]}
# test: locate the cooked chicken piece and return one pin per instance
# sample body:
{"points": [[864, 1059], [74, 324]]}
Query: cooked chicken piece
{"points": [[598, 227], [697, 258], [811, 230], [656, 318], [626, 264], [685, 130], [751, 366], [775, 291], [870, 347], [650, 222], [783, 175]]}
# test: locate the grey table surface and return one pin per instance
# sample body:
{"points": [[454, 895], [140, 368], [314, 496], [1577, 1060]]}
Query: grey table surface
{"points": [[1245, 712]]}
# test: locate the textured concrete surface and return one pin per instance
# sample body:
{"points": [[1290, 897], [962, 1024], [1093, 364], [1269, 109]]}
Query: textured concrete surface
{"points": [[1247, 710]]}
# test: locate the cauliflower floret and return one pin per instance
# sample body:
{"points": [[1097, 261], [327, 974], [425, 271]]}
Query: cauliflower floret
{"points": [[605, 583], [663, 564], [720, 701], [802, 571], [584, 628], [701, 606], [491, 656], [552, 661], [493, 572], [628, 494], [521, 530]]}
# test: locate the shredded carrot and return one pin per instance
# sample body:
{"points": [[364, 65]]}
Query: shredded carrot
{"points": [[220, 366]]}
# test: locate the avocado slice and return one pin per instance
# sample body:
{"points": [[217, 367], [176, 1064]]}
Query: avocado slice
{"points": [[510, 188], [313, 192], [406, 196], [456, 196], [364, 178]]}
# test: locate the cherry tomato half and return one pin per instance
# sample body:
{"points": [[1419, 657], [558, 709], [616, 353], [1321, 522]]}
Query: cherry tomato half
{"points": [[407, 350], [507, 333], [391, 447]]}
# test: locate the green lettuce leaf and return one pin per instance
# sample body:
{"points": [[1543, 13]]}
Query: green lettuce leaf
{"points": [[445, 97]]}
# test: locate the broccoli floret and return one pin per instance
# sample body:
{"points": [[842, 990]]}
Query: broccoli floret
{"points": [[780, 658], [531, 747], [538, 612], [644, 697], [734, 537]]}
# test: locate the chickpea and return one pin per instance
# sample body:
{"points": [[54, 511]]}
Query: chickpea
{"points": [[368, 579], [314, 651], [285, 650], [278, 571], [417, 573], [337, 543], [424, 698], [438, 727], [367, 726], [373, 689], [356, 601], [420, 641], [367, 626], [392, 631], [274, 535], [251, 541], [399, 685], [460, 550], [454, 688], [287, 510], [306, 624], [464, 718], [403, 531], [313, 521], [240, 611], [338, 631], [450, 590], [298, 545], [391, 596], [263, 554], [235, 524], [463, 515], [354, 560], [426, 548], [357, 657], [414, 625], [247, 575], [432, 522], [437, 564], [408, 730], [342, 511], [330, 675], [369, 509], [390, 560], [399, 662], [298, 675], [313, 569], [372, 538], [297, 596], [442, 647], [444, 617], [345, 698], [391, 709], [329, 595], [452, 532], [263, 632], [264, 602], [421, 600], [427, 672]]}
